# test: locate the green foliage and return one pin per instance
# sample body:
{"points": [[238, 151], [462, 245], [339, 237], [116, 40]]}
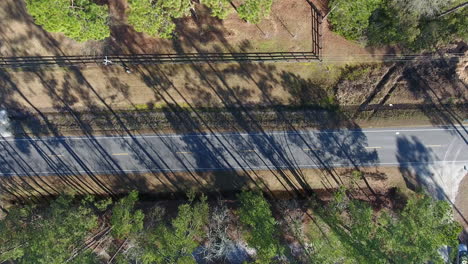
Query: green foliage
{"points": [[126, 221], [80, 20], [412, 24], [253, 11], [326, 245], [345, 231], [355, 72], [386, 27], [175, 243], [424, 226], [99, 205], [255, 214], [351, 18], [361, 236], [12, 234], [155, 17], [49, 236], [436, 32], [86, 257], [219, 8]]}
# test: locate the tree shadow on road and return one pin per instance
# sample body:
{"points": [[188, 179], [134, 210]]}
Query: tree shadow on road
{"points": [[419, 165], [435, 107], [266, 99]]}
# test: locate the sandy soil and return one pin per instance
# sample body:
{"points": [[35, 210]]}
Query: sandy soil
{"points": [[224, 85], [288, 28], [156, 86], [281, 183]]}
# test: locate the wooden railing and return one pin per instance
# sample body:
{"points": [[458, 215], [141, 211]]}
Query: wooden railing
{"points": [[138, 59]]}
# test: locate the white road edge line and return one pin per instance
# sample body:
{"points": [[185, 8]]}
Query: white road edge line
{"points": [[226, 134]]}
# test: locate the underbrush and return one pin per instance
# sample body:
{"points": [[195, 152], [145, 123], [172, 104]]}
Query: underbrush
{"points": [[248, 228]]}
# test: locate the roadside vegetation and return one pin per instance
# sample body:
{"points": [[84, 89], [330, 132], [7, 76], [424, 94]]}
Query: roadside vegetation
{"points": [[84, 20], [414, 25], [253, 229]]}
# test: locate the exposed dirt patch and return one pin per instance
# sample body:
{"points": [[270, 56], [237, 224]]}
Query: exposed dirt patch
{"points": [[420, 92], [210, 85], [434, 79], [288, 28], [422, 81], [281, 184], [462, 68]]}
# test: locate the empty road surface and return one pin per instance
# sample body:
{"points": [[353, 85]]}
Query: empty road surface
{"points": [[412, 147]]}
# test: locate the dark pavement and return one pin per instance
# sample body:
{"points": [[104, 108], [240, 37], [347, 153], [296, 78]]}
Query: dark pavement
{"points": [[228, 151]]}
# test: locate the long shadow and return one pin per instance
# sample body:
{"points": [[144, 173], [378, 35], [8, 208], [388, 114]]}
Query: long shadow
{"points": [[279, 160], [182, 121], [24, 148], [248, 123], [439, 113], [347, 146], [160, 162], [418, 167], [266, 144], [193, 126]]}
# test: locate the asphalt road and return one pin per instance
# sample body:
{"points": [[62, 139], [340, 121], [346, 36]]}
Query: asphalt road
{"points": [[410, 147]]}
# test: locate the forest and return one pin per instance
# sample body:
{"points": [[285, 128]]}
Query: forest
{"points": [[414, 25], [246, 228]]}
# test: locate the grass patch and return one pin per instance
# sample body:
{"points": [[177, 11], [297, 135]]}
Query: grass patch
{"points": [[327, 115], [157, 106], [270, 46], [355, 72]]}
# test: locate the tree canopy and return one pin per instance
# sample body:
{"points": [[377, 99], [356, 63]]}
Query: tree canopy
{"points": [[46, 237], [415, 25], [413, 235], [343, 230], [351, 18], [261, 228], [177, 242], [125, 219], [219, 8], [80, 20], [84, 20], [156, 17], [253, 11]]}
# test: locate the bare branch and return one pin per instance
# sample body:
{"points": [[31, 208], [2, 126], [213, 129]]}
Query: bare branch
{"points": [[117, 252]]}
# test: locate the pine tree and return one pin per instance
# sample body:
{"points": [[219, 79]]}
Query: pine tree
{"points": [[125, 220], [219, 8], [80, 20], [253, 11], [177, 242], [260, 226], [156, 17]]}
